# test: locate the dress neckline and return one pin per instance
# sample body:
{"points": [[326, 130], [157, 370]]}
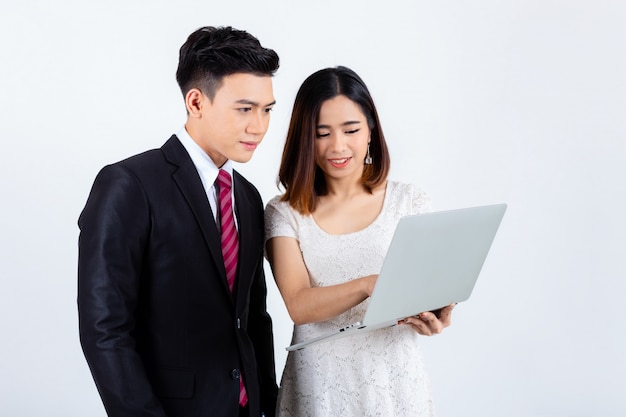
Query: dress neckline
{"points": [[376, 219]]}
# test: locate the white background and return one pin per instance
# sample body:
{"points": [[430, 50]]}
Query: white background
{"points": [[482, 102]]}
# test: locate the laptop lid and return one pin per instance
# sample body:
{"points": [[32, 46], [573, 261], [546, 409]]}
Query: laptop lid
{"points": [[434, 260]]}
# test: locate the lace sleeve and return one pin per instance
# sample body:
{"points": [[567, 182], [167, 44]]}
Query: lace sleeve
{"points": [[420, 201], [279, 220]]}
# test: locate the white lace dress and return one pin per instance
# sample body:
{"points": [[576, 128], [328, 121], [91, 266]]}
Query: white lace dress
{"points": [[379, 373]]}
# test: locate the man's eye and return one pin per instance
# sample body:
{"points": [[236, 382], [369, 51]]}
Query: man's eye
{"points": [[245, 109], [269, 109]]}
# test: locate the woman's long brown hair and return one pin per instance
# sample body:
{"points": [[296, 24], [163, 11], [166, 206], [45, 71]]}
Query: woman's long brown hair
{"points": [[299, 174]]}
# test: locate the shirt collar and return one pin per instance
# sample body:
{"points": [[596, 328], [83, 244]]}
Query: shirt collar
{"points": [[204, 164]]}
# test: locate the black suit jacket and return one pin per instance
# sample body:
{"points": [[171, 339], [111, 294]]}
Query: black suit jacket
{"points": [[161, 332]]}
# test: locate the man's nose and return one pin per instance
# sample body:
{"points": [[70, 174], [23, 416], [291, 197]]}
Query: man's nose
{"points": [[259, 123]]}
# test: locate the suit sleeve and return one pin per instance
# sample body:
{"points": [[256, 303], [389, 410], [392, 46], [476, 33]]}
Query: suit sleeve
{"points": [[260, 322], [114, 228], [260, 331]]}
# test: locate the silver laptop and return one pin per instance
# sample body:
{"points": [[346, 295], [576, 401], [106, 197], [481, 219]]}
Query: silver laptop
{"points": [[433, 261]]}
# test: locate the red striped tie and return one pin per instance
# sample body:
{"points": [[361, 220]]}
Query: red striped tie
{"points": [[230, 241], [230, 247]]}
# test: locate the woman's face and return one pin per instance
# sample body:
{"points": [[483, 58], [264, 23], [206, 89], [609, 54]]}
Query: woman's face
{"points": [[342, 138]]}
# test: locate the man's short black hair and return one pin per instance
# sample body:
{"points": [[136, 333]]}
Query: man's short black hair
{"points": [[211, 53]]}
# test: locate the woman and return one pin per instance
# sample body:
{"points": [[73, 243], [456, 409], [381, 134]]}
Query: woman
{"points": [[326, 239]]}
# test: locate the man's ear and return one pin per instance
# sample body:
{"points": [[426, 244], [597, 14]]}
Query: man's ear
{"points": [[194, 100]]}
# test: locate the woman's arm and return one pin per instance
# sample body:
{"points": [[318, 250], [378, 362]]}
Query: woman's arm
{"points": [[308, 304]]}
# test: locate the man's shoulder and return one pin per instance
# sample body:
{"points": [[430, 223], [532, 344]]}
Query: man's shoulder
{"points": [[142, 159], [148, 158]]}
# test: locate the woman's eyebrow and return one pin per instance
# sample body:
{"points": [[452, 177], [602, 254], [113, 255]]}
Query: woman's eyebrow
{"points": [[348, 123]]}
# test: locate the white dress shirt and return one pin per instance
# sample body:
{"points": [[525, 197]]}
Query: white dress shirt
{"points": [[208, 173]]}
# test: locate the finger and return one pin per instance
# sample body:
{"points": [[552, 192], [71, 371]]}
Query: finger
{"points": [[434, 324], [418, 325], [427, 316], [446, 315]]}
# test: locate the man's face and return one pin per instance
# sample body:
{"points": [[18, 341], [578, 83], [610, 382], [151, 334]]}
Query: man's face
{"points": [[234, 123]]}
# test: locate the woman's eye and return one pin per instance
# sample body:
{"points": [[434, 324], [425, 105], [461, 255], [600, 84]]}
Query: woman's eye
{"points": [[322, 135], [351, 132]]}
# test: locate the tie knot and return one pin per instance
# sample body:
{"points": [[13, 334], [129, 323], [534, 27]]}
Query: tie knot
{"points": [[224, 180]]}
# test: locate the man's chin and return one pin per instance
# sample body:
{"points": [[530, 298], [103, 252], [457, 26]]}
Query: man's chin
{"points": [[242, 158]]}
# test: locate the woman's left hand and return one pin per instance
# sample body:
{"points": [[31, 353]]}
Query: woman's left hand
{"points": [[429, 322]]}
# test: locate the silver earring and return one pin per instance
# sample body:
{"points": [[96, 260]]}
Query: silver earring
{"points": [[368, 157]]}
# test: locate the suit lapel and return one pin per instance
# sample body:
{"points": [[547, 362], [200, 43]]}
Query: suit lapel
{"points": [[248, 241], [188, 181]]}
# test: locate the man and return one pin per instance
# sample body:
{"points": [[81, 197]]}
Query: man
{"points": [[168, 327]]}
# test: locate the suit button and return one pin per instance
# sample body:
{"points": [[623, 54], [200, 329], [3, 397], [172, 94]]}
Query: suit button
{"points": [[235, 374]]}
